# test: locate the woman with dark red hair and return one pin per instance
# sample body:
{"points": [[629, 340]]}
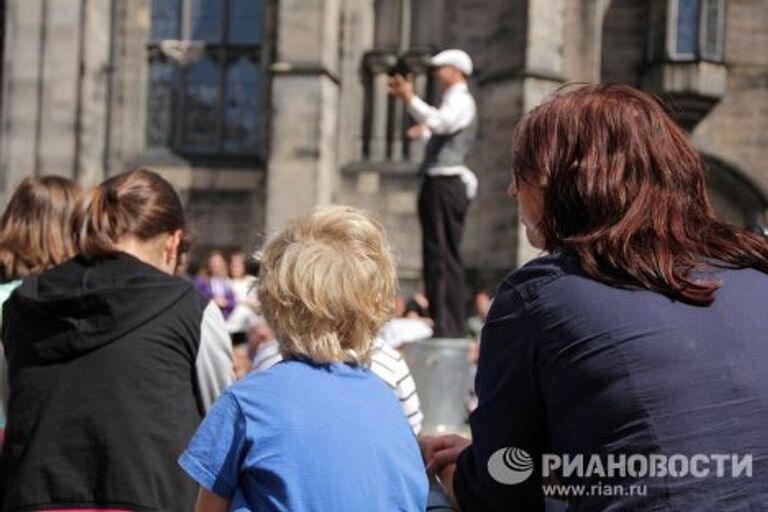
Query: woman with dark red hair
{"points": [[631, 361]]}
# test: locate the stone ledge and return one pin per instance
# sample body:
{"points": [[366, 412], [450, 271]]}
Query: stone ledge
{"points": [[514, 73], [304, 69], [694, 88], [394, 169], [214, 176]]}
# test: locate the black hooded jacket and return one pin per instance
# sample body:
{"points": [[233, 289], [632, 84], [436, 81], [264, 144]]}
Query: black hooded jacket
{"points": [[111, 366]]}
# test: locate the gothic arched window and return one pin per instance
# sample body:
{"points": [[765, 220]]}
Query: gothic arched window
{"points": [[205, 76]]}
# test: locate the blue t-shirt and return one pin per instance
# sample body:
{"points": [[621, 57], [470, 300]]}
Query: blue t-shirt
{"points": [[299, 437]]}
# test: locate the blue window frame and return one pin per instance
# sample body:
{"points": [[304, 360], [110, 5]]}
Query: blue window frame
{"points": [[206, 105], [697, 30]]}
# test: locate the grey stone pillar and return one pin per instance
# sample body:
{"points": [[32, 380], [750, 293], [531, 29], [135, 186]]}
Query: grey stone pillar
{"points": [[378, 63], [357, 38], [57, 71], [583, 38], [23, 87], [302, 167], [523, 63]]}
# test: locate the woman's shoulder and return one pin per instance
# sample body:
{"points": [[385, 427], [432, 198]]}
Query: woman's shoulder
{"points": [[528, 280], [552, 287]]}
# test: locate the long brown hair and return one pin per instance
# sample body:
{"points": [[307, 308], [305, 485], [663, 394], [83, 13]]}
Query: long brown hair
{"points": [[36, 227], [624, 190], [138, 203]]}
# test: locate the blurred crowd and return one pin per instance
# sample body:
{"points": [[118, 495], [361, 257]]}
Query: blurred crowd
{"points": [[228, 278]]}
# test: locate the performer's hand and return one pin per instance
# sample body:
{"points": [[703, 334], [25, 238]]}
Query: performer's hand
{"points": [[401, 87], [416, 131]]}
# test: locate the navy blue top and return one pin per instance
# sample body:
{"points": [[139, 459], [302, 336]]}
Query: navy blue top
{"points": [[569, 365]]}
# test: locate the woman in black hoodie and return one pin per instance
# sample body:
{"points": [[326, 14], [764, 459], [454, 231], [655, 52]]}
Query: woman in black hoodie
{"points": [[112, 362]]}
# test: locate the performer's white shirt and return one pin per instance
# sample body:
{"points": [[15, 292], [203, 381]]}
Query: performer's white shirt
{"points": [[456, 111]]}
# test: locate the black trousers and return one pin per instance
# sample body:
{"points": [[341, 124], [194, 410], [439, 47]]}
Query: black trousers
{"points": [[443, 208]]}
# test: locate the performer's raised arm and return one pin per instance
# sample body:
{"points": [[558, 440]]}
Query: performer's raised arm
{"points": [[454, 114]]}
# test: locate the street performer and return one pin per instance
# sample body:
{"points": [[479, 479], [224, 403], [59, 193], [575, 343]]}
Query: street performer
{"points": [[448, 186]]}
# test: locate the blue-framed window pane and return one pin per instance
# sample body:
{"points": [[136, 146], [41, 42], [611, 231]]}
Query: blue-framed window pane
{"points": [[241, 119], [166, 20], [714, 19], [201, 106], [687, 33], [162, 82], [245, 22], [207, 18], [209, 106]]}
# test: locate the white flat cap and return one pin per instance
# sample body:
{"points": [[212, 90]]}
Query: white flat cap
{"points": [[454, 58]]}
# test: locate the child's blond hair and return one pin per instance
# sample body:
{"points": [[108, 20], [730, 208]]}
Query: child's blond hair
{"points": [[327, 284]]}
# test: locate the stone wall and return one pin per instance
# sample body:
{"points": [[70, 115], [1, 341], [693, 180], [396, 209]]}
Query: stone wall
{"points": [[74, 103], [56, 80], [737, 128], [302, 165], [624, 44]]}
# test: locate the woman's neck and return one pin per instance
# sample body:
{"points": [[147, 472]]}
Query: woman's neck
{"points": [[143, 251]]}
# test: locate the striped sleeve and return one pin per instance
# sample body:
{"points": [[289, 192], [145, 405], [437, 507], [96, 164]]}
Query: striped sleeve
{"points": [[390, 367]]}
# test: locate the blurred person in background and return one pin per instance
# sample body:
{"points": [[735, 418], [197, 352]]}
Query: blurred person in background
{"points": [[401, 329], [642, 332], [317, 431], [243, 316], [213, 282], [417, 306], [112, 361], [242, 282], [182, 267], [475, 323], [246, 304], [263, 346], [35, 234]]}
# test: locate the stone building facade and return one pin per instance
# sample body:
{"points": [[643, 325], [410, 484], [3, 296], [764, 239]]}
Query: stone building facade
{"points": [[276, 106]]}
